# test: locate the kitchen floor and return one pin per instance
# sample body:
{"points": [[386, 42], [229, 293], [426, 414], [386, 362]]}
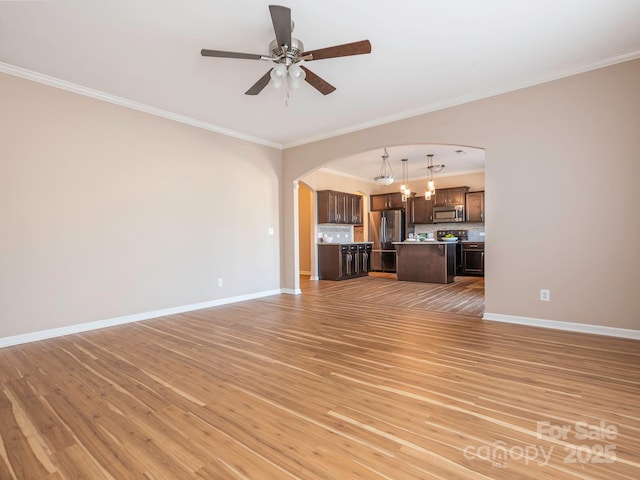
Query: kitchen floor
{"points": [[465, 296]]}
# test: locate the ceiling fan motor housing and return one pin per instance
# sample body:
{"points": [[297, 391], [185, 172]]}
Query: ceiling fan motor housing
{"points": [[293, 55]]}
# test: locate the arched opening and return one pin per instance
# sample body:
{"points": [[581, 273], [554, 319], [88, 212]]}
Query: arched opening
{"points": [[464, 166]]}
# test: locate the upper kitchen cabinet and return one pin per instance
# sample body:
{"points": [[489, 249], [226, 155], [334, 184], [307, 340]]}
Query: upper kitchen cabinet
{"points": [[421, 211], [386, 201], [339, 207], [450, 196], [356, 209], [475, 207]]}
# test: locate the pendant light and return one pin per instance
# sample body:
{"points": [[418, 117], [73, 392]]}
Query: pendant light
{"points": [[404, 188], [431, 168], [386, 176]]}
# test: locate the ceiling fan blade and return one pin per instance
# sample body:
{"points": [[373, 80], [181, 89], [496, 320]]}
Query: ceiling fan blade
{"points": [[281, 19], [355, 48], [219, 53], [316, 82], [260, 84]]}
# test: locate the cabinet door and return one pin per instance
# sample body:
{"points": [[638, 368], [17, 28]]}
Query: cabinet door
{"points": [[456, 197], [475, 207], [343, 214], [325, 207], [387, 201], [378, 202], [422, 211], [450, 196], [394, 200], [441, 198], [473, 259], [356, 210]]}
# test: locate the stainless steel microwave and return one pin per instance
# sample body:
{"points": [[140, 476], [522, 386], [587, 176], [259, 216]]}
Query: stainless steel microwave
{"points": [[448, 214]]}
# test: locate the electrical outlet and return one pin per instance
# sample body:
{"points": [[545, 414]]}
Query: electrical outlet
{"points": [[545, 295], [220, 282]]}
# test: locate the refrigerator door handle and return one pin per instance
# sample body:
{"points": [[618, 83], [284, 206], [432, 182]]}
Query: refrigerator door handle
{"points": [[383, 230]]}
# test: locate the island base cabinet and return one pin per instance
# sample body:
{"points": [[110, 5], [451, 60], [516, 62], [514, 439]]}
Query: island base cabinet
{"points": [[343, 261], [429, 263]]}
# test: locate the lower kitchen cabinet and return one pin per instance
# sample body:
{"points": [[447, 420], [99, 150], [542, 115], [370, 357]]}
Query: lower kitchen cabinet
{"points": [[473, 258], [341, 261]]}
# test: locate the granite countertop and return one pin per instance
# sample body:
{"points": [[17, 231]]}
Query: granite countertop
{"points": [[472, 241]]}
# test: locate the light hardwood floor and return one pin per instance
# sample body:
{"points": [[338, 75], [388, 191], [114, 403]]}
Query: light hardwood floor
{"points": [[324, 385]]}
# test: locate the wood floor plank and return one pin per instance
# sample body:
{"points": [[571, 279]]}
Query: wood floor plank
{"points": [[329, 384]]}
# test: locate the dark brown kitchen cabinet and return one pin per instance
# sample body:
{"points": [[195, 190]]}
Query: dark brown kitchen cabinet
{"points": [[343, 261], [473, 258], [450, 196], [327, 206], [355, 205], [421, 211], [386, 201], [475, 207], [339, 207]]}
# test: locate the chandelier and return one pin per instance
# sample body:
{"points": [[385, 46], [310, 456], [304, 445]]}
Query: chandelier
{"points": [[386, 176]]}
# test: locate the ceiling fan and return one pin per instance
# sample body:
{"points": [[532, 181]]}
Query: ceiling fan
{"points": [[288, 52]]}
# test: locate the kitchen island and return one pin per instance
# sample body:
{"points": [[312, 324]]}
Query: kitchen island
{"points": [[427, 261]]}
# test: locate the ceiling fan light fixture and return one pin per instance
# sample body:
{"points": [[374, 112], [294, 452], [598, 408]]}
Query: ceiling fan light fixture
{"points": [[296, 76], [278, 75]]}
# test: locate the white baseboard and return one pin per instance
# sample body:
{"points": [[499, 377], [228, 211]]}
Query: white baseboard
{"points": [[570, 326], [292, 291], [110, 322]]}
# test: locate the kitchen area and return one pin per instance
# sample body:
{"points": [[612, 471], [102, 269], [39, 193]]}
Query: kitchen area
{"points": [[405, 237]]}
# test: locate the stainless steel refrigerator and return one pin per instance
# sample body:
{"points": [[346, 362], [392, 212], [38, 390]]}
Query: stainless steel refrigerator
{"points": [[385, 227]]}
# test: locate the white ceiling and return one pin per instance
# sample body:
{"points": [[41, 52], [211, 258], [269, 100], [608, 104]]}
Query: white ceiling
{"points": [[426, 55], [457, 160]]}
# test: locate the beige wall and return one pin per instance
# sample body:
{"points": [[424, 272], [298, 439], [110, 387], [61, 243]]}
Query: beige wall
{"points": [[107, 212], [562, 172]]}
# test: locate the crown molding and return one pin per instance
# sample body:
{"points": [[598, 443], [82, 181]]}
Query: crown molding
{"points": [[464, 99], [123, 102]]}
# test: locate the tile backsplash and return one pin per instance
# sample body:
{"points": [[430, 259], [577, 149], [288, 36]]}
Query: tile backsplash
{"points": [[336, 233], [476, 230]]}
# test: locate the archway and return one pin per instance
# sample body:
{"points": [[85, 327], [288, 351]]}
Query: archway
{"points": [[327, 176]]}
